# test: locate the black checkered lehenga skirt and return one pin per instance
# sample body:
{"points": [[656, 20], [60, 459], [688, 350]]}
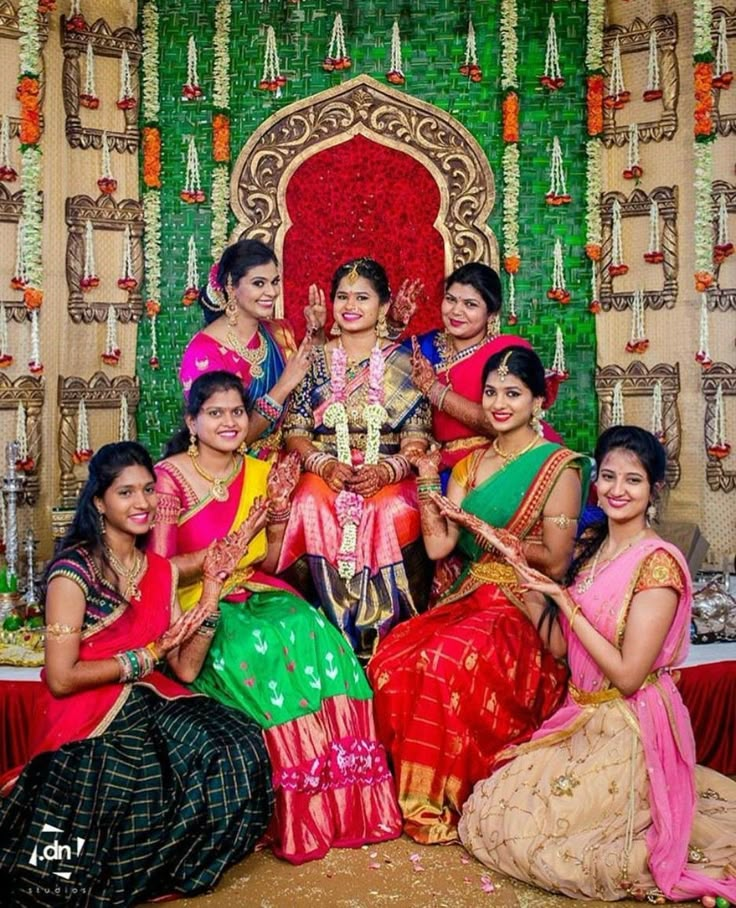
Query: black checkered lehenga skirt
{"points": [[168, 797]]}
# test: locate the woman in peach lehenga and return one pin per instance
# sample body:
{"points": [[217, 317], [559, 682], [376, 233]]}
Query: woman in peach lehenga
{"points": [[605, 801]]}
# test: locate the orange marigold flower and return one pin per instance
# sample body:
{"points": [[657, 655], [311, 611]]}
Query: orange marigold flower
{"points": [[153, 307], [221, 138], [595, 91], [511, 263], [33, 297], [593, 251], [152, 157], [703, 280], [510, 111]]}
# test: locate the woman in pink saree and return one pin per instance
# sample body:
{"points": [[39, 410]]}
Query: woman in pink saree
{"points": [[605, 801]]}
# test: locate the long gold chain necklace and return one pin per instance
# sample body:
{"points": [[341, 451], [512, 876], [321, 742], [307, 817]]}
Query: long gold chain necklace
{"points": [[586, 584], [515, 455], [129, 574], [219, 490], [253, 357]]}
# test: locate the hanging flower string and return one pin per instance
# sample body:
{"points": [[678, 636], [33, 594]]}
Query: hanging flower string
{"points": [[617, 94], [617, 404], [192, 291], [511, 318], [594, 304], [83, 452], [470, 67], [552, 77], [703, 226], [719, 447], [151, 169], [703, 355], [89, 278], [220, 131], [107, 183], [722, 76], [638, 341], [395, 74], [25, 462], [633, 169], [559, 364], [558, 290], [192, 193], [127, 280], [19, 280], [88, 96], [191, 89], [111, 354], [153, 360], [593, 149], [124, 423], [28, 93], [75, 22], [617, 266], [723, 247], [510, 135], [653, 91], [654, 254], [7, 172], [272, 79], [126, 99], [348, 505], [35, 366], [557, 194], [6, 358], [337, 56], [593, 224], [657, 425]]}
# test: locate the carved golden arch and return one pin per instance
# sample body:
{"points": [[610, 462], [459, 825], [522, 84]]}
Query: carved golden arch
{"points": [[362, 106]]}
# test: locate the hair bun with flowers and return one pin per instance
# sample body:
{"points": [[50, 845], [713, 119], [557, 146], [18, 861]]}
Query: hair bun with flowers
{"points": [[211, 295]]}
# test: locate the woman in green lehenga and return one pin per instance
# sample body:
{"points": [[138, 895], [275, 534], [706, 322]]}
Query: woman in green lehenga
{"points": [[274, 656]]}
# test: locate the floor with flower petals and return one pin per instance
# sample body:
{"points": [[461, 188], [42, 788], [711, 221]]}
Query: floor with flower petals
{"points": [[399, 873]]}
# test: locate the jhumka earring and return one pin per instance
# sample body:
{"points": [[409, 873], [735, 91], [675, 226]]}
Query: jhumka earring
{"points": [[242, 448], [231, 308], [536, 421], [193, 450], [101, 518], [503, 369], [651, 514], [381, 325], [335, 330], [493, 326]]}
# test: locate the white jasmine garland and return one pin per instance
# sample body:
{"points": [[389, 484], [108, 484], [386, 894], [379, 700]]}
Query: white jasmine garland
{"points": [[221, 56], [509, 45], [152, 243], [594, 154], [220, 208], [150, 89], [702, 17], [594, 36], [703, 226], [511, 188]]}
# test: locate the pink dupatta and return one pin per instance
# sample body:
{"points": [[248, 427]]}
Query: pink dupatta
{"points": [[664, 724]]}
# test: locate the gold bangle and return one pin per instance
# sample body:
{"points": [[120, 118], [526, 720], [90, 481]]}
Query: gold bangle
{"points": [[154, 651], [573, 615]]}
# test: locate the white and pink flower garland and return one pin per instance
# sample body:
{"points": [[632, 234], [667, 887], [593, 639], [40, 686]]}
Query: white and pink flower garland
{"points": [[349, 505]]}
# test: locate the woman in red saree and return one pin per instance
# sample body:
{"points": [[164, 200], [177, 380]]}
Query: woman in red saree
{"points": [[457, 684], [243, 337], [150, 789], [274, 656], [447, 364], [606, 802]]}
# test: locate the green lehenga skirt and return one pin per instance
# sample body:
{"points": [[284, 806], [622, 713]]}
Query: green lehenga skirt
{"points": [[279, 660], [168, 797]]}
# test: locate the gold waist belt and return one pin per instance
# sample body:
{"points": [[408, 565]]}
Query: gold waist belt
{"points": [[495, 572], [595, 697], [357, 440]]}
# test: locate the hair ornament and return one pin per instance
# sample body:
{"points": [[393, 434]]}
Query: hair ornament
{"points": [[503, 369], [352, 276]]}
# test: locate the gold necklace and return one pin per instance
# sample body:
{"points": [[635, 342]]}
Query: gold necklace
{"points": [[586, 584], [449, 356], [515, 455], [253, 357], [219, 491], [130, 575]]}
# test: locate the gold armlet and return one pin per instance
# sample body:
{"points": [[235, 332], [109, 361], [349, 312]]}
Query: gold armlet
{"points": [[62, 630], [561, 520]]}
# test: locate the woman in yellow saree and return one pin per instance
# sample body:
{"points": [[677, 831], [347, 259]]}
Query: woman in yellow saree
{"points": [[273, 655]]}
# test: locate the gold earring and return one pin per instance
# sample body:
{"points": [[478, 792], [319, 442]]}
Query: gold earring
{"points": [[536, 421], [231, 308], [102, 522], [335, 330], [192, 450], [651, 514], [243, 448], [493, 326], [381, 325]]}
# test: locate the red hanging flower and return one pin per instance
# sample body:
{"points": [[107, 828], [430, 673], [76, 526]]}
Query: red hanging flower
{"points": [[617, 270], [654, 258], [719, 451], [652, 94], [7, 174], [76, 23], [5, 360], [89, 283], [189, 296], [107, 185], [91, 102], [111, 357], [127, 283]]}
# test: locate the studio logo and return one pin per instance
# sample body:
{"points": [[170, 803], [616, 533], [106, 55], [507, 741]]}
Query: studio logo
{"points": [[54, 850]]}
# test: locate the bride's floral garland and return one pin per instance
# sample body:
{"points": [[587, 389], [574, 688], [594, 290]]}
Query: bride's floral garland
{"points": [[349, 505]]}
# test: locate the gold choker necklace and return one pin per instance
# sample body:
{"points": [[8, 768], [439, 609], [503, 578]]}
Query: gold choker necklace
{"points": [[219, 491], [129, 575], [515, 455]]}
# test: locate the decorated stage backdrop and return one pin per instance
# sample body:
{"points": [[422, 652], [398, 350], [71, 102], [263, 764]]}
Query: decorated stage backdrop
{"points": [[584, 148]]}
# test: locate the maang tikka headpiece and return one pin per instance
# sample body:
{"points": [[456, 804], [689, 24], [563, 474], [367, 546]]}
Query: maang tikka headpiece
{"points": [[503, 369], [352, 276]]}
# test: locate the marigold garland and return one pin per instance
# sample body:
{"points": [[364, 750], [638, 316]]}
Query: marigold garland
{"points": [[704, 125], [152, 157], [221, 138], [510, 111], [150, 104], [510, 132], [594, 101]]}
